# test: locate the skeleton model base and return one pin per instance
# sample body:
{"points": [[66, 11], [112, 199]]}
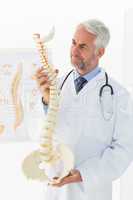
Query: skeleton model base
{"points": [[59, 168]]}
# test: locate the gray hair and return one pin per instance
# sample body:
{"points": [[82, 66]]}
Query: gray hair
{"points": [[99, 29]]}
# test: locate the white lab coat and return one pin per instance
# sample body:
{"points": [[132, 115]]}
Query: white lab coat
{"points": [[103, 149]]}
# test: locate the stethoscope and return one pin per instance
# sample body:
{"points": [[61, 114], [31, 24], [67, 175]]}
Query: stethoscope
{"points": [[107, 115]]}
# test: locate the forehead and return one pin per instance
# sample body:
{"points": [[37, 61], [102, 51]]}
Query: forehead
{"points": [[81, 35]]}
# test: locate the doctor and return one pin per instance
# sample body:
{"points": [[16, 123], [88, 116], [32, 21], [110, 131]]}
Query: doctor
{"points": [[95, 119]]}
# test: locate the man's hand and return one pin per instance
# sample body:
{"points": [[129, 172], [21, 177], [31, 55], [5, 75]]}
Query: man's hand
{"points": [[44, 83], [73, 177]]}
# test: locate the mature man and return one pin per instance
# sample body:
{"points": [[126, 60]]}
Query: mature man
{"points": [[95, 120]]}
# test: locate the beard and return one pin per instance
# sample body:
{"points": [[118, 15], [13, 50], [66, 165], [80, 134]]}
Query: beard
{"points": [[80, 64], [84, 66]]}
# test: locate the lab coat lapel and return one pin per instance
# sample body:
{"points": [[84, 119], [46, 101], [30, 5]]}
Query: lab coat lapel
{"points": [[90, 85]]}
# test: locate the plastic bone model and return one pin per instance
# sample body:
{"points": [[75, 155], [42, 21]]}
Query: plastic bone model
{"points": [[52, 159]]}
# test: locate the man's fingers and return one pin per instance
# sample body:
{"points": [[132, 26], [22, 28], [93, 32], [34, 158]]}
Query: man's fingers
{"points": [[40, 73], [55, 177], [44, 89], [61, 182], [72, 177], [43, 80], [39, 70], [43, 83]]}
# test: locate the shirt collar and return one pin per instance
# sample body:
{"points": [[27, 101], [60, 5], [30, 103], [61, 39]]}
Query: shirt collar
{"points": [[89, 75]]}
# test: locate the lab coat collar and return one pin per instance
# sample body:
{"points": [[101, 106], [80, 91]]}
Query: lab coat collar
{"points": [[95, 82]]}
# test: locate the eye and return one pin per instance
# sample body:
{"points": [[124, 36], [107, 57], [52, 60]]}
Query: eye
{"points": [[82, 46], [73, 42]]}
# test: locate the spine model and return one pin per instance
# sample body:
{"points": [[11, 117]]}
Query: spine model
{"points": [[19, 114], [49, 160], [46, 147]]}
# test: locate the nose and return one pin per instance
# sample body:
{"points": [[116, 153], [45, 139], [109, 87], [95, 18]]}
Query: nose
{"points": [[75, 50]]}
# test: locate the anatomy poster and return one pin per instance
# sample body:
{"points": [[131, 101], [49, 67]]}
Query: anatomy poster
{"points": [[21, 110]]}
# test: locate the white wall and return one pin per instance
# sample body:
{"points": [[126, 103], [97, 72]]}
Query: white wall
{"points": [[18, 20], [27, 17], [126, 181]]}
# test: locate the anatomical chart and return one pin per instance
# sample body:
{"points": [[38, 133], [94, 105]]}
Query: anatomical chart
{"points": [[21, 112]]}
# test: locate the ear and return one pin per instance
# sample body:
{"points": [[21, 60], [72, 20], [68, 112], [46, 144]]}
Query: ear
{"points": [[100, 52]]}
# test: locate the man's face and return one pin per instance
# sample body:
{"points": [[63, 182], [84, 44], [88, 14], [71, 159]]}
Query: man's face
{"points": [[83, 51]]}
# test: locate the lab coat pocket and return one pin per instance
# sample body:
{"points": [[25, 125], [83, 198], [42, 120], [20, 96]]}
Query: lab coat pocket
{"points": [[98, 129], [93, 110]]}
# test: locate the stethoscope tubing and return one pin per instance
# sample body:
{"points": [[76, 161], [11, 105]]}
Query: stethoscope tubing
{"points": [[100, 91], [102, 87]]}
